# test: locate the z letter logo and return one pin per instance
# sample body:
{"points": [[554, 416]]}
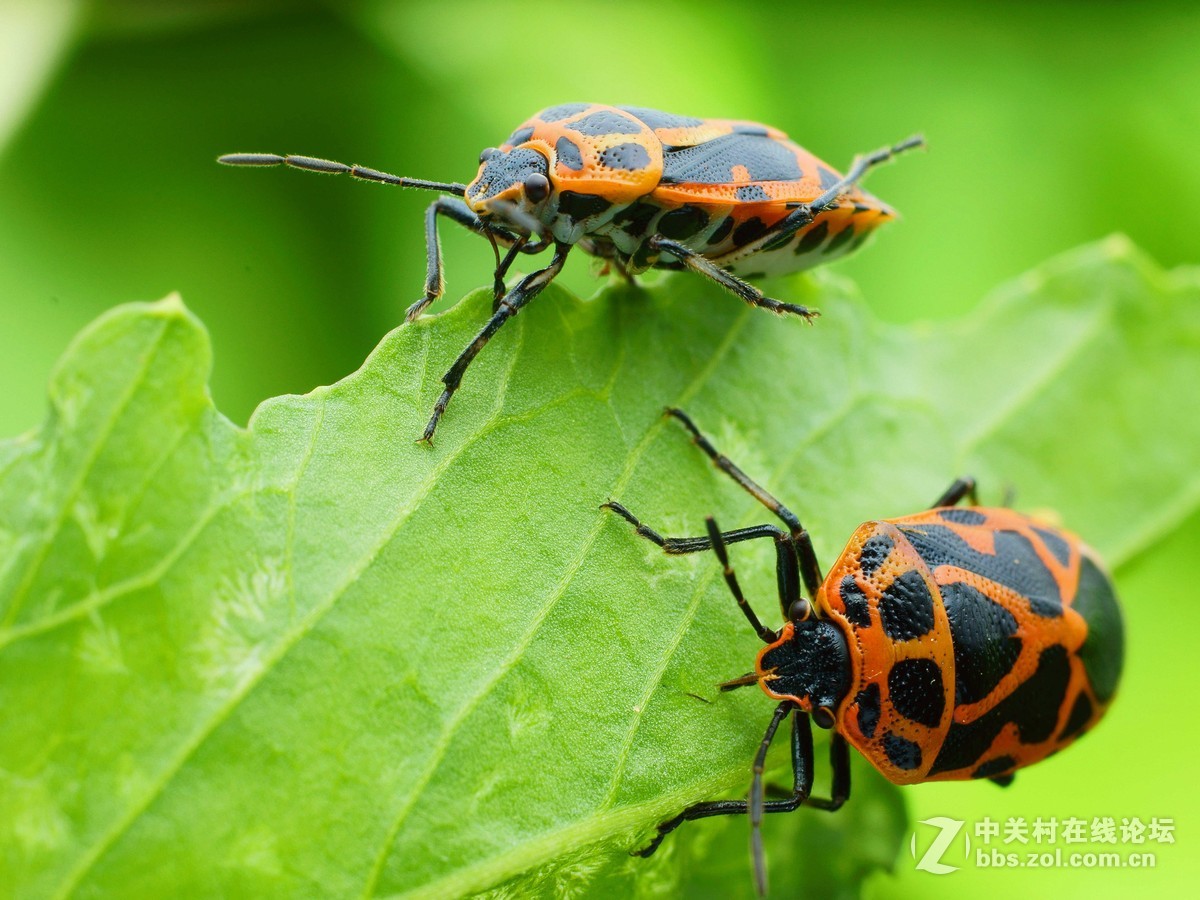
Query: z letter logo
{"points": [[932, 860]]}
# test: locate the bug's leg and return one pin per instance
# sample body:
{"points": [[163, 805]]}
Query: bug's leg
{"points": [[810, 569], [456, 210], [859, 168], [499, 289], [524, 291], [756, 805], [1003, 780], [962, 487], [804, 213], [785, 560], [839, 764], [701, 264], [718, 542], [680, 545]]}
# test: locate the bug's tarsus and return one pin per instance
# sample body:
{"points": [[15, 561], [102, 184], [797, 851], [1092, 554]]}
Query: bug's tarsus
{"points": [[810, 569], [953, 495], [644, 530], [524, 291], [702, 265]]}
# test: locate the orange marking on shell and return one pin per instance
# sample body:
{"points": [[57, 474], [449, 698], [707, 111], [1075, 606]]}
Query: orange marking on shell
{"points": [[873, 653], [613, 184]]}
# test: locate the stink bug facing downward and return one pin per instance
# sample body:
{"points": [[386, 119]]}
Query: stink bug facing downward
{"points": [[957, 643], [639, 189]]}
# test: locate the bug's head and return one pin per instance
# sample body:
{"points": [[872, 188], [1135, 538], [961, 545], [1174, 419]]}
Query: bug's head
{"points": [[809, 663], [518, 178]]}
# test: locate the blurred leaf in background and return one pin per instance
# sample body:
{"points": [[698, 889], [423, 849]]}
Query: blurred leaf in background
{"points": [[1049, 124]]}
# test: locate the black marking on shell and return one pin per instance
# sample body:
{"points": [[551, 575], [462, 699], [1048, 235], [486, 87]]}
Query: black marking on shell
{"points": [[1033, 707], [858, 610], [751, 193], [828, 178], [520, 136], [868, 702], [1103, 650], [916, 691], [581, 206], [906, 607], [749, 231], [813, 238], [903, 753], [994, 767], [712, 162], [656, 119], [635, 218], [963, 516], [722, 232], [1081, 714], [606, 122], [839, 240], [562, 111], [874, 552], [629, 157], [682, 223], [985, 646], [1015, 563], [1055, 543], [568, 154]]}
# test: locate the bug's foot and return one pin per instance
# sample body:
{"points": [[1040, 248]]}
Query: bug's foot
{"points": [[414, 312], [426, 437], [654, 844], [778, 306]]}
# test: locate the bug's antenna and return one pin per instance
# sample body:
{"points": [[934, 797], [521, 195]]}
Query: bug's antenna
{"points": [[329, 167]]}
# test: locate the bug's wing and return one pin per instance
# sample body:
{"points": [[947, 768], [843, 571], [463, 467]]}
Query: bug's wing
{"points": [[743, 166]]}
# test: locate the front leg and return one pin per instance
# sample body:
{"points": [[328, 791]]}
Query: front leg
{"points": [[526, 289], [456, 210]]}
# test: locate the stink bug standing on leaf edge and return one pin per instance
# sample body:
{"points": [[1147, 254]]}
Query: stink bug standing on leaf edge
{"points": [[957, 643], [640, 189]]}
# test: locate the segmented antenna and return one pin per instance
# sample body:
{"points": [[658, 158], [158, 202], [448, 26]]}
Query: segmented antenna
{"points": [[329, 167]]}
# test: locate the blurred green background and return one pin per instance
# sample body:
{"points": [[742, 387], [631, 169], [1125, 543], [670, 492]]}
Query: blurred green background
{"points": [[1049, 124]]}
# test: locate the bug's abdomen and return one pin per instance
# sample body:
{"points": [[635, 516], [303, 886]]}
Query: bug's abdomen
{"points": [[1036, 634]]}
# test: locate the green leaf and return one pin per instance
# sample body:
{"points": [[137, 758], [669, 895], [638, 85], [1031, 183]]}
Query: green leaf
{"points": [[314, 657]]}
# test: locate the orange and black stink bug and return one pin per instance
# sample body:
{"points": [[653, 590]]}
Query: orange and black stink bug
{"points": [[641, 189], [960, 642]]}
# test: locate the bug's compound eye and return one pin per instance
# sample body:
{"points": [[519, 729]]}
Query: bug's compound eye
{"points": [[487, 154], [537, 187], [799, 611], [823, 716]]}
